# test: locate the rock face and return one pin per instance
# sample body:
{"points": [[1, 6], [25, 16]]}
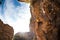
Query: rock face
{"points": [[24, 36], [45, 19], [6, 31]]}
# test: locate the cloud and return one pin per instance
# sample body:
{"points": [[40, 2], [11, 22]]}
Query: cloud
{"points": [[17, 16]]}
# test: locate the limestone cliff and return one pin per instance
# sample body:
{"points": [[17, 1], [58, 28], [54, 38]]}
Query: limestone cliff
{"points": [[6, 31], [45, 20]]}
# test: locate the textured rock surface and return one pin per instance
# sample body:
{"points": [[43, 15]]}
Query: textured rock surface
{"points": [[45, 20], [24, 36], [6, 31]]}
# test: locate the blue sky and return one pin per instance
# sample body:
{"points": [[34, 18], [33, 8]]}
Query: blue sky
{"points": [[16, 14]]}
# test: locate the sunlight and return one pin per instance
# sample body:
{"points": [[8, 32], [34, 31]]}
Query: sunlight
{"points": [[20, 26], [17, 15], [22, 22]]}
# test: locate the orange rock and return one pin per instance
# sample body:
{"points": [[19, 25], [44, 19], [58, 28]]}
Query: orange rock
{"points": [[45, 19]]}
